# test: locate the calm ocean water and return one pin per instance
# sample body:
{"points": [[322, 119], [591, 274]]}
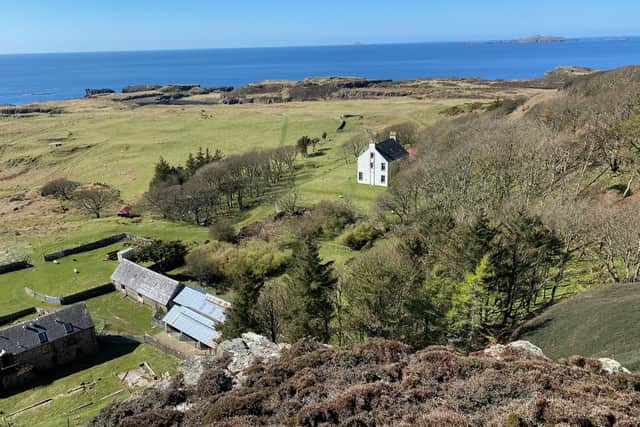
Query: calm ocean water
{"points": [[42, 77]]}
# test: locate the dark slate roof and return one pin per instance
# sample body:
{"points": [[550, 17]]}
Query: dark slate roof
{"points": [[147, 283], [203, 303], [26, 335], [391, 150]]}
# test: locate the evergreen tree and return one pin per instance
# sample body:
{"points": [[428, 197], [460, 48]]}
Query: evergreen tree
{"points": [[161, 173], [466, 317], [241, 316], [191, 165], [313, 294]]}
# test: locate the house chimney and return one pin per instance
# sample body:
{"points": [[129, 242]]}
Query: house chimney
{"points": [[393, 135]]}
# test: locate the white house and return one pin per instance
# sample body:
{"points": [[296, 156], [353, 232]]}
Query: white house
{"points": [[377, 163]]}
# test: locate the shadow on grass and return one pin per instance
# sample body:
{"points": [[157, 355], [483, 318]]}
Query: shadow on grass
{"points": [[534, 327], [107, 351], [316, 154]]}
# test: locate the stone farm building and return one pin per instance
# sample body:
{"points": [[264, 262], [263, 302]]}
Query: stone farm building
{"points": [[378, 163], [144, 285], [196, 316], [45, 343]]}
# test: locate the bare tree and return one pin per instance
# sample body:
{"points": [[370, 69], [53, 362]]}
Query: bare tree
{"points": [[94, 199], [617, 229], [354, 147], [271, 310]]}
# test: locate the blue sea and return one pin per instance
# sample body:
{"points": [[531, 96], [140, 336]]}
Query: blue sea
{"points": [[42, 77]]}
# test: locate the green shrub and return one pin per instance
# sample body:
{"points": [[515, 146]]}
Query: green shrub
{"points": [[333, 217], [221, 261], [165, 255], [359, 235], [223, 231]]}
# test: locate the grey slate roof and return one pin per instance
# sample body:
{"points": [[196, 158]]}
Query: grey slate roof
{"points": [[24, 336], [147, 283], [391, 150]]}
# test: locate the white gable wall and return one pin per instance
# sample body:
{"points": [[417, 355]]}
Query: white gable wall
{"points": [[373, 169]]}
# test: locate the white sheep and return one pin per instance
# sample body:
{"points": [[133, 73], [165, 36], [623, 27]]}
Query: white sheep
{"points": [[75, 270]]}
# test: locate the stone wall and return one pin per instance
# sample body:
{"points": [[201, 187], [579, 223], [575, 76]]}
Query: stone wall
{"points": [[86, 247], [14, 266], [73, 298], [8, 318]]}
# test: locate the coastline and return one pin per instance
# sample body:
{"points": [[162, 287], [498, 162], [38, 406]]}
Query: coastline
{"points": [[313, 89]]}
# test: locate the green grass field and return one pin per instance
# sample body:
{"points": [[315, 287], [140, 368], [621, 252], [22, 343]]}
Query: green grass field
{"points": [[600, 322]]}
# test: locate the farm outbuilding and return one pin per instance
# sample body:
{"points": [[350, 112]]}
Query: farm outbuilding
{"points": [[196, 315], [124, 211], [144, 285], [45, 343]]}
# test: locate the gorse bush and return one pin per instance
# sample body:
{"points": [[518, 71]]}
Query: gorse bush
{"points": [[220, 261], [223, 230], [60, 188], [359, 235]]}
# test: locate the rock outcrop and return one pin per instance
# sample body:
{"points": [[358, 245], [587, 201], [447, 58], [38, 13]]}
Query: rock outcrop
{"points": [[93, 92], [522, 349], [384, 383], [611, 367], [237, 355]]}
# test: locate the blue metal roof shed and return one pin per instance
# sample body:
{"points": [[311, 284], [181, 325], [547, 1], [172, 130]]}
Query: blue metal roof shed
{"points": [[203, 303], [197, 314], [194, 325]]}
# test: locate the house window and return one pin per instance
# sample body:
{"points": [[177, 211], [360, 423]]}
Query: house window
{"points": [[68, 327], [383, 166], [360, 176], [42, 336], [372, 156], [383, 179]]}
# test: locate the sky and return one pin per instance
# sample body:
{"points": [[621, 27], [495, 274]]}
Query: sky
{"points": [[28, 26]]}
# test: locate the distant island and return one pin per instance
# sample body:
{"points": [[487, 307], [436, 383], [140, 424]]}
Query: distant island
{"points": [[540, 39]]}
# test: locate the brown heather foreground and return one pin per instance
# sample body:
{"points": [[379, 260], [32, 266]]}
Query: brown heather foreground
{"points": [[385, 383]]}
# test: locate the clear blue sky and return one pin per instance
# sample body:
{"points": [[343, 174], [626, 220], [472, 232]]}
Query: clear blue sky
{"points": [[97, 25]]}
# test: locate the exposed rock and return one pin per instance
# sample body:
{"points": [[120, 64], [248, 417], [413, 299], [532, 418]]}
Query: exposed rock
{"points": [[522, 349], [192, 368], [140, 88], [94, 92], [243, 352], [610, 366]]}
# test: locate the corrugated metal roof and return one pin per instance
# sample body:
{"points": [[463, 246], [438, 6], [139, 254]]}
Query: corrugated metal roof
{"points": [[203, 303], [196, 326], [147, 283], [33, 333]]}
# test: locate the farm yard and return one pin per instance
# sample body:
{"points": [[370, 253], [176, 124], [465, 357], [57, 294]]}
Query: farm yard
{"points": [[104, 142]]}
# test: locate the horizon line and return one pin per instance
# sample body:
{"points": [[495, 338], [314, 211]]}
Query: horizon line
{"points": [[356, 43]]}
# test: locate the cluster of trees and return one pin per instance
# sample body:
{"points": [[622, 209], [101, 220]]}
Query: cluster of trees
{"points": [[217, 184], [92, 199], [489, 222], [165, 256], [302, 304], [407, 133]]}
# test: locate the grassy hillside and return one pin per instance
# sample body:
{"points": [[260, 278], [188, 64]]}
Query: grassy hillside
{"points": [[596, 323]]}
